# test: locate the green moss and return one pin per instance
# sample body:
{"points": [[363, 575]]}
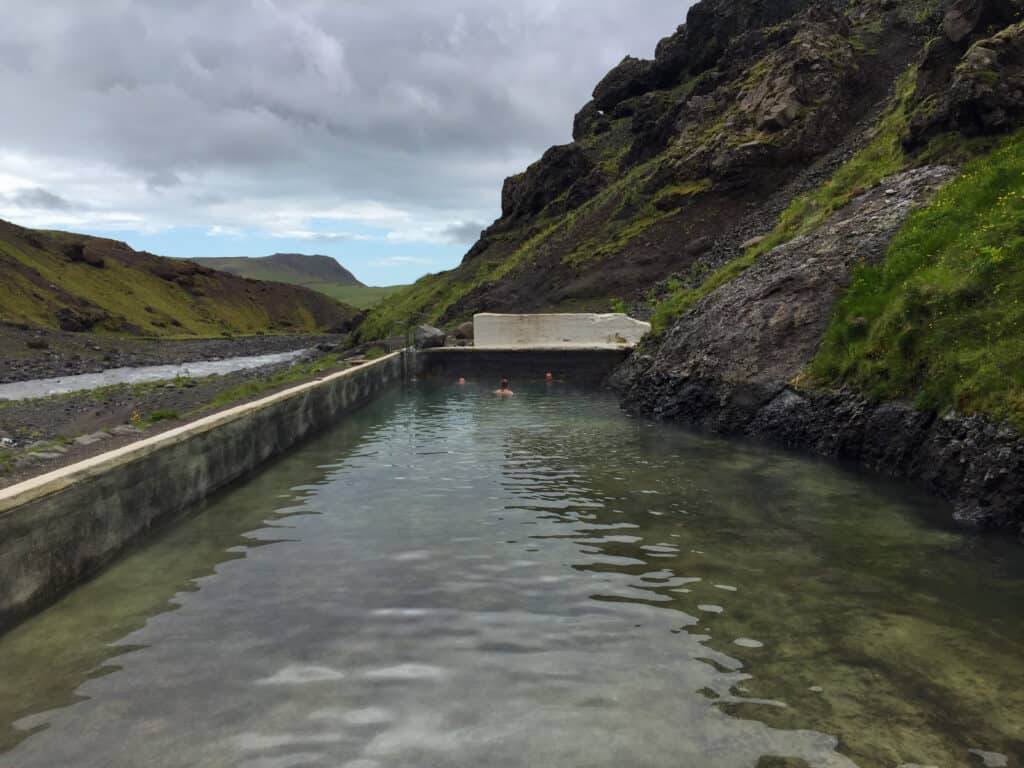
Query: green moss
{"points": [[256, 387], [940, 321], [681, 298], [674, 195], [164, 414]]}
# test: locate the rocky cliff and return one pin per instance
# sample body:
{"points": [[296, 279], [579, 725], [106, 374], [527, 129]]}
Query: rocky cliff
{"points": [[757, 188]]}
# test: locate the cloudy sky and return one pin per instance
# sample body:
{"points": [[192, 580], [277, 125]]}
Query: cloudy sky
{"points": [[376, 131]]}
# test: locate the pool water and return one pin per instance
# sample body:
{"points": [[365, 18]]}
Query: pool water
{"points": [[453, 579]]}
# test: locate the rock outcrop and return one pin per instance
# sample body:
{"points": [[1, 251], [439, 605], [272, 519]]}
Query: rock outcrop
{"points": [[562, 171]]}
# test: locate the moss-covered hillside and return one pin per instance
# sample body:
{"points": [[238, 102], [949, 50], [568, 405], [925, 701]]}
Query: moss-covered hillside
{"points": [[80, 283]]}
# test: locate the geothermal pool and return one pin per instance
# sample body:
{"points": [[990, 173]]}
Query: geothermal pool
{"points": [[452, 579]]}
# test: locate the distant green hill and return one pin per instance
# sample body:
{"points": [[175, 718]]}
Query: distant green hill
{"points": [[82, 283], [358, 296], [295, 268], [320, 273]]}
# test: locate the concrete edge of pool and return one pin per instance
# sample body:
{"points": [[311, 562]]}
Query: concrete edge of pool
{"points": [[60, 528]]}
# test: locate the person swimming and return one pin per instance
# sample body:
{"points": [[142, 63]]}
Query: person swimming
{"points": [[503, 390], [549, 377], [461, 382]]}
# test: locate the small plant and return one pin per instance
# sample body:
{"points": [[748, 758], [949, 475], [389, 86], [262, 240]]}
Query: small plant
{"points": [[162, 415], [618, 305], [374, 352]]}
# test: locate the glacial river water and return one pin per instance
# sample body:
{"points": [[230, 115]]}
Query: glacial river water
{"points": [[452, 579], [24, 390]]}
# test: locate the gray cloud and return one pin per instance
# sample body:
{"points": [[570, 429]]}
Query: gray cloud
{"points": [[269, 105], [462, 233], [38, 199], [162, 180]]}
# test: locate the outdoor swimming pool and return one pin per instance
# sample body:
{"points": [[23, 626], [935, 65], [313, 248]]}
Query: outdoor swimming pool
{"points": [[452, 579]]}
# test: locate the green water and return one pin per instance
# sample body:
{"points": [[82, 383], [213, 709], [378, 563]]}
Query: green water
{"points": [[453, 579]]}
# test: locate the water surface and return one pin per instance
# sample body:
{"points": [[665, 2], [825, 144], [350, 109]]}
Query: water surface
{"points": [[453, 579]]}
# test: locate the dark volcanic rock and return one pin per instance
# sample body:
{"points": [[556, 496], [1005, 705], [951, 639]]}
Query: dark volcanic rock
{"points": [[632, 77], [980, 93], [543, 182], [968, 17]]}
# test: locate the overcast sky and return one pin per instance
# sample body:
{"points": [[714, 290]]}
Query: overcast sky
{"points": [[376, 131]]}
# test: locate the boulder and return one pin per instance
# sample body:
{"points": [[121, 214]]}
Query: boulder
{"points": [[970, 17], [464, 330], [631, 77], [78, 254], [81, 320], [985, 94], [426, 337]]}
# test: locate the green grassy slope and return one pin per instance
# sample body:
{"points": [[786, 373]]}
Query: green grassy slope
{"points": [[60, 279], [358, 296], [942, 320]]}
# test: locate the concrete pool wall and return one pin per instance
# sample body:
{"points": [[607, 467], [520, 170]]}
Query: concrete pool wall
{"points": [[60, 528]]}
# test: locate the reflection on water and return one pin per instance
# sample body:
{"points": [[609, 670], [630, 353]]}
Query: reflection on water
{"points": [[24, 390], [452, 579]]}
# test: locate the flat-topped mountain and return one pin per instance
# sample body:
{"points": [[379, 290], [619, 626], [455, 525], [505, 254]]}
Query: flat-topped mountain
{"points": [[295, 268]]}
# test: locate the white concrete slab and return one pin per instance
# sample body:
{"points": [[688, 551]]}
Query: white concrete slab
{"points": [[615, 330]]}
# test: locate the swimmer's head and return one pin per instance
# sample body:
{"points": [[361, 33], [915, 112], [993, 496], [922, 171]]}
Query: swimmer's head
{"points": [[461, 381], [548, 376]]}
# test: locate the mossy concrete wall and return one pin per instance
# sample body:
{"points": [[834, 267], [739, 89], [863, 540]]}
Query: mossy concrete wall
{"points": [[59, 528]]}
